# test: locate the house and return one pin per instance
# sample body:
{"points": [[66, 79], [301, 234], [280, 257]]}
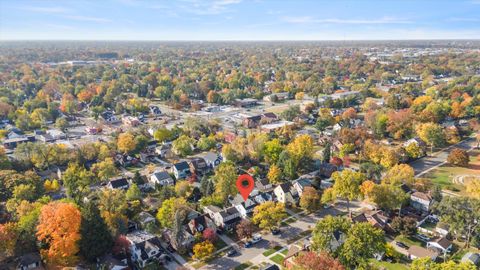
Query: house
{"points": [[108, 117], [246, 102], [45, 138], [276, 126], [300, 184], [164, 150], [472, 258], [113, 263], [376, 218], [256, 120], [161, 178], [244, 207], [277, 97], [441, 244], [212, 159], [11, 143], [30, 261], [56, 134], [442, 229], [118, 183], [93, 130], [285, 193], [421, 201], [415, 252], [145, 218], [144, 247], [198, 166], [224, 218], [181, 170], [130, 121], [155, 110], [326, 169], [199, 223], [263, 185]]}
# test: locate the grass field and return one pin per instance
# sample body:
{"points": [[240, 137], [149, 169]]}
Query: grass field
{"points": [[409, 241], [243, 266], [389, 266], [445, 174], [278, 259], [271, 251]]}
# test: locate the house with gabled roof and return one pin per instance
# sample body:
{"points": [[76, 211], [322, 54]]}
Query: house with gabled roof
{"points": [[144, 247], [421, 201], [285, 193], [161, 178], [224, 218], [181, 170], [118, 183]]}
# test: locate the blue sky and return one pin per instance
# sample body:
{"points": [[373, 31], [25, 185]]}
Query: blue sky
{"points": [[239, 19]]}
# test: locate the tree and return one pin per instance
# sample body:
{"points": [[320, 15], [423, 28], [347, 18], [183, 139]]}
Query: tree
{"points": [[461, 214], [203, 250], [126, 143], [206, 143], [473, 187], [8, 238], [291, 113], [325, 230], [428, 264], [274, 175], [432, 134], [414, 150], [113, 207], [347, 185], [362, 243], [105, 169], [388, 197], [245, 229], [404, 225], [210, 235], [310, 199], [316, 261], [133, 193], [163, 134], [301, 149], [183, 145], [225, 178], [268, 215], [399, 174], [183, 189], [95, 237], [168, 209], [367, 188], [458, 157], [59, 230], [326, 152], [272, 151], [76, 181]]}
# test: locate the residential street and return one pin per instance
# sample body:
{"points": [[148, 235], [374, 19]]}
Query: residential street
{"points": [[428, 163]]}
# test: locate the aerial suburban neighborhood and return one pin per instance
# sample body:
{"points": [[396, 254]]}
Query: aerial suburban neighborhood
{"points": [[131, 154]]}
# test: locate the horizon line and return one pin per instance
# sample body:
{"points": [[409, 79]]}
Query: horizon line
{"points": [[243, 40]]}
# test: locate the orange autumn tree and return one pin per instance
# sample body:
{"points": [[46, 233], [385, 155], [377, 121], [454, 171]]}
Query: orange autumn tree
{"points": [[59, 230]]}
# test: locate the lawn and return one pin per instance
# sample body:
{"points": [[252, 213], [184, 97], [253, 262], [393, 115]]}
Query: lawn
{"points": [[219, 244], [389, 266], [410, 241], [244, 265], [288, 221], [285, 251], [271, 251], [278, 259]]}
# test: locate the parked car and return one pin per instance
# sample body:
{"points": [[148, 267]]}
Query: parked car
{"points": [[232, 252], [402, 245], [275, 231], [423, 237], [256, 238], [248, 244]]}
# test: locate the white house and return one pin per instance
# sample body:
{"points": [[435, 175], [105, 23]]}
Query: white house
{"points": [[212, 159], [243, 207], [285, 193], [223, 218], [442, 244], [118, 183], [300, 184], [181, 169], [421, 201], [144, 247], [161, 178]]}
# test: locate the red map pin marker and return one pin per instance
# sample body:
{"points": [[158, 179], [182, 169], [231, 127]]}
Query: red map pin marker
{"points": [[245, 185]]}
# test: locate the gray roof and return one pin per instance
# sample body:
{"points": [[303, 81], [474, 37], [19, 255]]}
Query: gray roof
{"points": [[162, 175]]}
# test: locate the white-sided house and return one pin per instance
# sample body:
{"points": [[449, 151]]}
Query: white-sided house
{"points": [[56, 134], [164, 150], [161, 178], [29, 261], [223, 218], [181, 170], [144, 247], [118, 183], [245, 208], [212, 159], [285, 193], [441, 244], [421, 201], [300, 184]]}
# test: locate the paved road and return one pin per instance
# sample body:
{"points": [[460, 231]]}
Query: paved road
{"points": [[425, 164]]}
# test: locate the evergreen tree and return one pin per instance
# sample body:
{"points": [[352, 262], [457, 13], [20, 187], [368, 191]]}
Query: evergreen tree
{"points": [[96, 239], [326, 153]]}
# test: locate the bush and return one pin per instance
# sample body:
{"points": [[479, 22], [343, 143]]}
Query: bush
{"points": [[458, 157]]}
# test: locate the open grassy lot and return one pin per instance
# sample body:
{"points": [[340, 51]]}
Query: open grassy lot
{"points": [[271, 251], [389, 266], [278, 259], [409, 241], [243, 266], [450, 177]]}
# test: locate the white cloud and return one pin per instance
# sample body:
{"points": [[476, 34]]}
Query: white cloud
{"points": [[309, 19], [87, 19], [208, 8], [46, 9]]}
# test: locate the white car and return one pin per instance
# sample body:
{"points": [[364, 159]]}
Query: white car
{"points": [[256, 238]]}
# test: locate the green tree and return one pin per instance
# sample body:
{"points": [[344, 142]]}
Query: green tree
{"points": [[168, 209], [183, 145], [325, 230], [274, 175], [105, 169], [206, 143], [76, 181], [133, 193], [96, 239], [272, 150], [388, 197], [432, 134], [347, 185], [268, 215], [362, 243], [225, 178], [163, 134], [310, 199]]}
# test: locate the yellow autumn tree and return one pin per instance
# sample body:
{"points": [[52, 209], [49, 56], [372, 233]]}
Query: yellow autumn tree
{"points": [[203, 250]]}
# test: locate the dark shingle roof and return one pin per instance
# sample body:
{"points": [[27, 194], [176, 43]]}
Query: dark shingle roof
{"points": [[180, 166]]}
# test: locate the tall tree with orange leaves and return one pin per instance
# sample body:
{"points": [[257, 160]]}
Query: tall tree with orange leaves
{"points": [[59, 232]]}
